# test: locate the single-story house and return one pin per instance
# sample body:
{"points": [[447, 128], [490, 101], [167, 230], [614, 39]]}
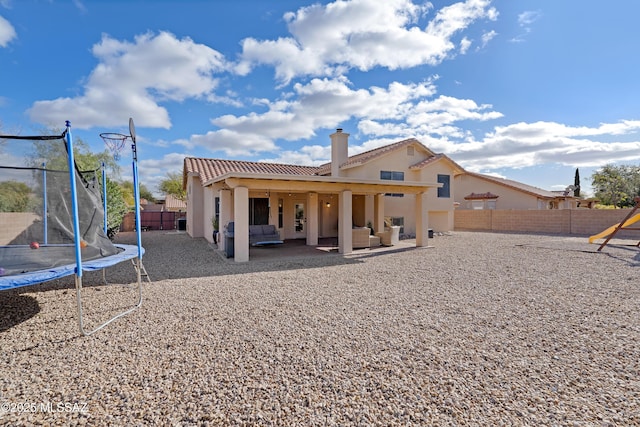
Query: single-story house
{"points": [[479, 191]]}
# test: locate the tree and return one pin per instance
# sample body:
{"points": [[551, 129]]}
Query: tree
{"points": [[127, 191], [617, 185], [55, 158], [576, 184], [14, 196], [173, 185], [145, 193], [116, 207]]}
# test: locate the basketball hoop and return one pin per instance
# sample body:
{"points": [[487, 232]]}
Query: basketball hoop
{"points": [[115, 143]]}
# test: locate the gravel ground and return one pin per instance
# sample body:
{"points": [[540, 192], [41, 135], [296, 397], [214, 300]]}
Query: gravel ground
{"points": [[481, 329]]}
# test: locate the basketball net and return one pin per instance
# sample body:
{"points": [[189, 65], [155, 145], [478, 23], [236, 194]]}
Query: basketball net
{"points": [[115, 143]]}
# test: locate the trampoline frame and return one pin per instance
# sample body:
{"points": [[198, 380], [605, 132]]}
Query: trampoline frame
{"points": [[129, 252]]}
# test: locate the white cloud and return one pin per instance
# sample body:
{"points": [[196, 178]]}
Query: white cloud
{"points": [[233, 143], [309, 155], [319, 104], [528, 144], [329, 39], [525, 20], [514, 146], [133, 78], [397, 111], [465, 44], [153, 171], [80, 6], [487, 37], [7, 32]]}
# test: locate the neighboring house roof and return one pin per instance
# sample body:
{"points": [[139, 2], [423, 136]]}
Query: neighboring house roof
{"points": [[367, 156], [535, 191], [173, 204], [481, 196], [212, 168]]}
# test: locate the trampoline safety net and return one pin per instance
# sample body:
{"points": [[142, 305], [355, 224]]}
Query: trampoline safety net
{"points": [[36, 214]]}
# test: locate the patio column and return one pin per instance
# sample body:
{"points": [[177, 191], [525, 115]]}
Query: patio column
{"points": [[345, 213], [378, 212], [422, 220], [225, 215], [312, 219], [241, 224]]}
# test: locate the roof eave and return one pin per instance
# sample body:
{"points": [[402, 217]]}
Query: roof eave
{"points": [[319, 179]]}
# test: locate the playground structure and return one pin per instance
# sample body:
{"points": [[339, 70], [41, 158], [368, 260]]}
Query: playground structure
{"points": [[53, 217], [610, 232]]}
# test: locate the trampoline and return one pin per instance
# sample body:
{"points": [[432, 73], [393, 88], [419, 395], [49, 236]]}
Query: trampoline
{"points": [[53, 217]]}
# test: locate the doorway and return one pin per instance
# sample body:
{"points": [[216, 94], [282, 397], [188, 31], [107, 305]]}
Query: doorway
{"points": [[300, 220]]}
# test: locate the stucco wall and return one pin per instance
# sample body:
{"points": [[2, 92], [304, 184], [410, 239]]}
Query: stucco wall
{"points": [[575, 221], [440, 209], [195, 207], [508, 198]]}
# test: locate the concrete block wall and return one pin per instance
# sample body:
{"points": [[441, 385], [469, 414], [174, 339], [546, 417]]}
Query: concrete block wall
{"points": [[564, 221], [472, 220], [14, 223]]}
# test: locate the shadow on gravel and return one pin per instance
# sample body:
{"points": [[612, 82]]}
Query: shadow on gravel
{"points": [[626, 252], [16, 309], [176, 255]]}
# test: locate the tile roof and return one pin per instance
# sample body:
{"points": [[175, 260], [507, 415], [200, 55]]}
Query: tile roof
{"points": [[212, 168], [481, 196], [361, 158], [434, 159], [171, 203]]}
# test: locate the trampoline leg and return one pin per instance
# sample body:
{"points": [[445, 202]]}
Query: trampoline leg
{"points": [[138, 303]]}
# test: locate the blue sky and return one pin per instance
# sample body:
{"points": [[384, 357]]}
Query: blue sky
{"points": [[527, 90]]}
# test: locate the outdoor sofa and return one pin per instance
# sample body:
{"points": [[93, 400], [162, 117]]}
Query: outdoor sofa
{"points": [[266, 234]]}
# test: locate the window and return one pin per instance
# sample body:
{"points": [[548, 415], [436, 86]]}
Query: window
{"points": [[445, 190], [216, 209], [392, 176], [491, 204], [477, 204], [280, 213]]}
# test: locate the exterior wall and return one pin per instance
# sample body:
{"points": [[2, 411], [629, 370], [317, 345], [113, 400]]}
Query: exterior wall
{"points": [[402, 207], [510, 198], [195, 207], [441, 221], [575, 221], [328, 215], [430, 174], [359, 210], [440, 209], [209, 208]]}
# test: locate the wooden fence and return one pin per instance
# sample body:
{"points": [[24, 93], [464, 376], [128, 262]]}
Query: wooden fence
{"points": [[155, 220]]}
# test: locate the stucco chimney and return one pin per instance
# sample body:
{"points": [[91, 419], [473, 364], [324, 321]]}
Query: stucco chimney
{"points": [[339, 150]]}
